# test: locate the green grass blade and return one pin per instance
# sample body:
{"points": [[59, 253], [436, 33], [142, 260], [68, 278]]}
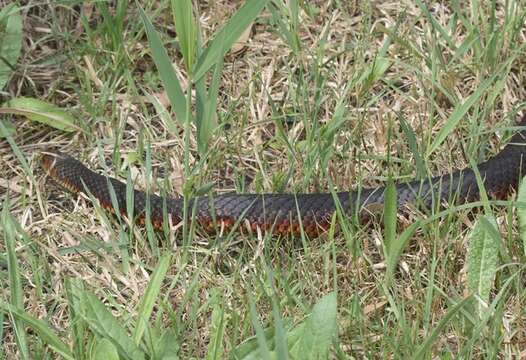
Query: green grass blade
{"points": [[78, 327], [431, 338], [263, 346], [15, 282], [397, 247], [217, 332], [411, 139], [17, 152], [164, 66], [207, 124], [163, 113], [280, 335], [150, 296], [43, 330], [294, 10], [186, 29], [389, 215], [374, 72], [228, 35], [150, 231], [279, 19], [459, 112], [436, 25], [2, 319]]}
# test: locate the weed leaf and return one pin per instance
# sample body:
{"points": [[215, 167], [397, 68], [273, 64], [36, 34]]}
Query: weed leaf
{"points": [[8, 129], [41, 111], [105, 350], [521, 213], [10, 41], [482, 259], [102, 322], [318, 331]]}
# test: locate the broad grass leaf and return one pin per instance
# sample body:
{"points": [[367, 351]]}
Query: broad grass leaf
{"points": [[186, 29], [101, 321], [378, 69], [166, 71], [373, 73], [150, 296], [207, 107], [484, 245], [228, 35], [521, 213], [105, 350], [10, 41], [41, 111], [397, 247]]}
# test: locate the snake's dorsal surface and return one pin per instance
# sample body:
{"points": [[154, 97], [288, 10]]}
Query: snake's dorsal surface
{"points": [[287, 213]]}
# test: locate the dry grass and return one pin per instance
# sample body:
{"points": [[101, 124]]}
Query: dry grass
{"points": [[104, 82]]}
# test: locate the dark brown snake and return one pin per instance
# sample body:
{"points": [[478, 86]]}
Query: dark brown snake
{"points": [[289, 213]]}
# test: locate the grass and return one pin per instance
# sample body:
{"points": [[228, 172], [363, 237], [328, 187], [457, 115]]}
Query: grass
{"points": [[319, 96]]}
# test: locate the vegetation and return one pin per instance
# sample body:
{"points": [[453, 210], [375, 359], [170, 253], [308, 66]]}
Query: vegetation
{"points": [[259, 96]]}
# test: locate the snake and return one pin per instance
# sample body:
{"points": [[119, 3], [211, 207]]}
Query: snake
{"points": [[289, 213]]}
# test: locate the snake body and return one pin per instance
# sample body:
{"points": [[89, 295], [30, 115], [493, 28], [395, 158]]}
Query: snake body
{"points": [[292, 213]]}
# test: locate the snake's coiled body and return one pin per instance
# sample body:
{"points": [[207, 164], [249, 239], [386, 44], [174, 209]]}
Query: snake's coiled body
{"points": [[289, 213]]}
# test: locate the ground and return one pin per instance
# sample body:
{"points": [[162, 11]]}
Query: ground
{"points": [[333, 96]]}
